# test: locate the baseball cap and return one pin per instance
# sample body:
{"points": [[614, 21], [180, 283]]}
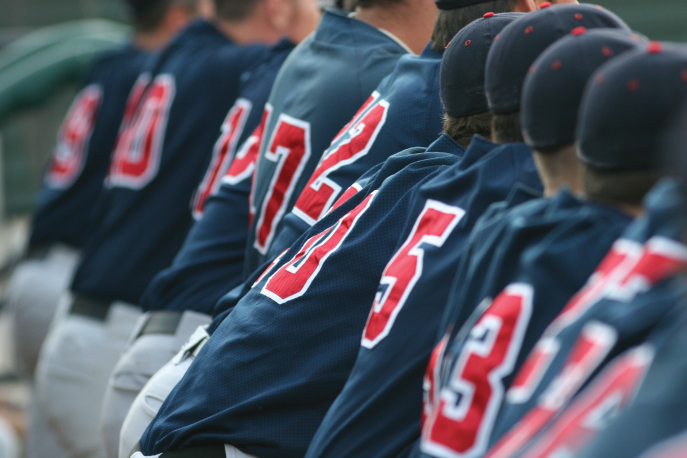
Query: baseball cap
{"points": [[455, 4], [463, 64], [519, 45], [627, 105], [553, 89]]}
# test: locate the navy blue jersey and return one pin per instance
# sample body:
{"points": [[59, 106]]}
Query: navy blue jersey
{"points": [[521, 268], [377, 413], [658, 412], [322, 84], [158, 161], [404, 111], [210, 262], [623, 302], [79, 162], [289, 344]]}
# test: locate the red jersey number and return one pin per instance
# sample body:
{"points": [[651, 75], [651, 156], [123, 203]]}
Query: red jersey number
{"points": [[222, 153], [289, 149], [465, 409], [293, 279], [320, 193], [433, 227], [137, 154], [72, 143]]}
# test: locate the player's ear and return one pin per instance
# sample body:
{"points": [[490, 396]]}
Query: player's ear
{"points": [[525, 6], [280, 13]]}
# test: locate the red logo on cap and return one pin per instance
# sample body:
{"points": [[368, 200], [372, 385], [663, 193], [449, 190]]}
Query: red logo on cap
{"points": [[556, 65], [655, 47], [633, 85], [529, 30], [578, 31], [545, 5], [579, 16], [606, 51], [488, 15], [468, 43]]}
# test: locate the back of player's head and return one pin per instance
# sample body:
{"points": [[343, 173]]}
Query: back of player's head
{"points": [[552, 92], [148, 15], [235, 10], [462, 77], [456, 14], [626, 107], [519, 45]]}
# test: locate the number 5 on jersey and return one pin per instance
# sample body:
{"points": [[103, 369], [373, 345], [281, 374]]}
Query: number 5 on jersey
{"points": [[433, 227]]}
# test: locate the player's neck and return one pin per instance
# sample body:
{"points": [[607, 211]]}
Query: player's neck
{"points": [[153, 40], [305, 22], [559, 169], [411, 22], [251, 30]]}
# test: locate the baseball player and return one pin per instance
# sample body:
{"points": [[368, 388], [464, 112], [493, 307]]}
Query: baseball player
{"points": [[63, 217], [646, 380], [211, 259], [337, 84], [542, 279], [162, 152]]}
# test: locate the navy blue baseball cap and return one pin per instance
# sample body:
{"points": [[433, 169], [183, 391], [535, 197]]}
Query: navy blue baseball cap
{"points": [[519, 45], [553, 89], [463, 64], [455, 4], [627, 105]]}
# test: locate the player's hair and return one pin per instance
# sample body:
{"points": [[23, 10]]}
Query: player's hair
{"points": [[371, 3], [235, 10], [506, 128], [450, 22], [463, 129], [151, 18], [617, 187]]}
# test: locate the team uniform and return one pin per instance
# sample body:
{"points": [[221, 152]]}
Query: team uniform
{"points": [[522, 266], [209, 263], [321, 86], [624, 306], [71, 186], [162, 150], [377, 411], [270, 394]]}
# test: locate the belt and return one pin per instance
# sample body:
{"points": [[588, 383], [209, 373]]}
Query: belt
{"points": [[206, 451], [199, 346], [90, 307], [161, 323]]}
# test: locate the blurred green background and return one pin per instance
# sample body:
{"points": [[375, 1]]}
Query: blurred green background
{"points": [[28, 137]]}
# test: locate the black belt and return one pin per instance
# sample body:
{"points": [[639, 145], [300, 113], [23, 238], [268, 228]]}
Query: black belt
{"points": [[90, 307], [161, 323], [205, 451]]}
